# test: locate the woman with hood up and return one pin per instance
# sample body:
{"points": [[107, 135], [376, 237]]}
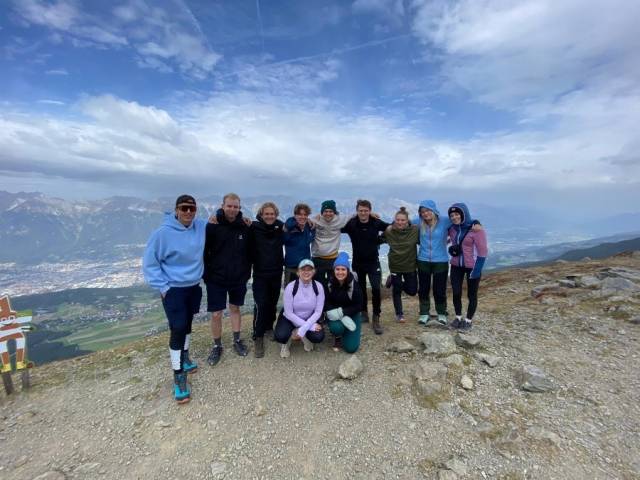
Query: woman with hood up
{"points": [[433, 260], [468, 252]]}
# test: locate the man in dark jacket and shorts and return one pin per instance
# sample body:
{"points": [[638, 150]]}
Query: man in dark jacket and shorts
{"points": [[226, 271]]}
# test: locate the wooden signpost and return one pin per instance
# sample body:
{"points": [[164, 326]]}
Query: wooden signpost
{"points": [[14, 326]]}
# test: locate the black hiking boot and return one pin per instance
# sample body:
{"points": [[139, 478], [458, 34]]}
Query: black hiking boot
{"points": [[258, 347], [240, 348], [375, 324], [214, 356]]}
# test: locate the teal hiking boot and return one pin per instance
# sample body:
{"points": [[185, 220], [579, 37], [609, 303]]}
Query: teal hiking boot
{"points": [[181, 389], [442, 320], [424, 319], [188, 365]]}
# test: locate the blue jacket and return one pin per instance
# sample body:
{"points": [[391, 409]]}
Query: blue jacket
{"points": [[433, 243], [173, 257], [297, 243]]}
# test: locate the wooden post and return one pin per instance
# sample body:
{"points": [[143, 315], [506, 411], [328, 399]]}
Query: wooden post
{"points": [[8, 383], [26, 379]]}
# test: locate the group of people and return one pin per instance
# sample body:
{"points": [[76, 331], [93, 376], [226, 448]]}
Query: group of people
{"points": [[322, 286]]}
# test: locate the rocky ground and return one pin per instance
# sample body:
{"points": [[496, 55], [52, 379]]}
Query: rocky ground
{"points": [[545, 386]]}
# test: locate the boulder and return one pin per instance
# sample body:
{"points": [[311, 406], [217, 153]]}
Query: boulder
{"points": [[618, 285], [534, 379], [455, 360], [428, 388], [587, 281], [427, 370], [437, 343], [350, 368], [567, 283], [467, 340]]}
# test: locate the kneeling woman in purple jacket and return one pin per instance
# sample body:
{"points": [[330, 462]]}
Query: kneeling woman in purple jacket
{"points": [[468, 252], [303, 305]]}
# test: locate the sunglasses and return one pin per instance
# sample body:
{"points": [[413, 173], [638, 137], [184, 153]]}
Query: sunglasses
{"points": [[187, 208]]}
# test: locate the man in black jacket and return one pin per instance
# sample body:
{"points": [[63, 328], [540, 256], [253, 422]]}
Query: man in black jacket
{"points": [[226, 272], [265, 250], [364, 231]]}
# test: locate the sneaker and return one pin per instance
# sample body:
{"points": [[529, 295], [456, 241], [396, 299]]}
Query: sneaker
{"points": [[337, 344], [442, 320], [214, 356], [188, 365], [400, 318], [284, 350], [258, 347], [240, 348], [455, 324], [308, 346], [424, 319], [465, 325], [364, 315], [389, 281], [6, 368], [181, 390]]}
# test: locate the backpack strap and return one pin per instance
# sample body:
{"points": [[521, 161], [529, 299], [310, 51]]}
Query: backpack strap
{"points": [[296, 285]]}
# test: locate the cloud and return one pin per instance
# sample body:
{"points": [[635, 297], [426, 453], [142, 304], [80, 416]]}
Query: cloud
{"points": [[57, 71], [161, 39], [262, 142], [51, 102]]}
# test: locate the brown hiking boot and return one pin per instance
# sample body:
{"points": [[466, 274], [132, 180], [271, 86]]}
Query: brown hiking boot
{"points": [[364, 315], [258, 347], [337, 344], [375, 324]]}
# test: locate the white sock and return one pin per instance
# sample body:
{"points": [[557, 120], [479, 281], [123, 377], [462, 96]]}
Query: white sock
{"points": [[187, 341], [467, 320], [20, 342], [458, 317], [3, 347], [175, 359]]}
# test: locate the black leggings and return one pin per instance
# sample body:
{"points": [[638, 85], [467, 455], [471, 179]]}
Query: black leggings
{"points": [[407, 282], [457, 277], [284, 329], [266, 291], [375, 277]]}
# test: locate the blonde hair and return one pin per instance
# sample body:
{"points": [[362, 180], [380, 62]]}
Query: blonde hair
{"points": [[231, 196], [268, 205]]}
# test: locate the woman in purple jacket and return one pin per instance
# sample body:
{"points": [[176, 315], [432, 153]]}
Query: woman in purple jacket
{"points": [[303, 305], [468, 252]]}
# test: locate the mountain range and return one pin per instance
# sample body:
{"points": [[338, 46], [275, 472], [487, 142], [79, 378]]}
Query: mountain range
{"points": [[38, 228]]}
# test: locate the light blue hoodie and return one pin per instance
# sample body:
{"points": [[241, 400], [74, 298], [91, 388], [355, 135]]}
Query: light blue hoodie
{"points": [[173, 257], [433, 243]]}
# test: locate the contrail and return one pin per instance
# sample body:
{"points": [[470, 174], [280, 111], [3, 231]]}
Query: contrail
{"points": [[337, 51], [260, 24]]}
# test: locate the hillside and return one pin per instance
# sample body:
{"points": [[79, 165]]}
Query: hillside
{"points": [[110, 414]]}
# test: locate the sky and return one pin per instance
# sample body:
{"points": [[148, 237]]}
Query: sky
{"points": [[530, 102]]}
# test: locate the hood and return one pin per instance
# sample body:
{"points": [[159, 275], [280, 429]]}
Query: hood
{"points": [[466, 216], [222, 220], [172, 222], [431, 205], [291, 224], [260, 223]]}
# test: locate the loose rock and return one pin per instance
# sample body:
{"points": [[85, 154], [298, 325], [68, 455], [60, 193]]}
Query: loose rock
{"points": [[466, 382], [467, 340], [455, 360], [437, 343], [533, 379], [52, 475], [218, 468], [490, 360], [401, 346], [350, 368]]}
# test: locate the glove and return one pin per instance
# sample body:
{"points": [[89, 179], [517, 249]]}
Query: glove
{"points": [[335, 314], [348, 323], [477, 269]]}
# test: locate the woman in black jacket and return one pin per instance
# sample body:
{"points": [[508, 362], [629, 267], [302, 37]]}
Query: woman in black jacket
{"points": [[265, 252], [343, 304]]}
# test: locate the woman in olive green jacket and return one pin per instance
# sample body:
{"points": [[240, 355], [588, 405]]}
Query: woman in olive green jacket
{"points": [[403, 239]]}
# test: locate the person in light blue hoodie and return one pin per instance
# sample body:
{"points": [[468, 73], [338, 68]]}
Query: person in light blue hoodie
{"points": [[173, 265], [433, 260]]}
